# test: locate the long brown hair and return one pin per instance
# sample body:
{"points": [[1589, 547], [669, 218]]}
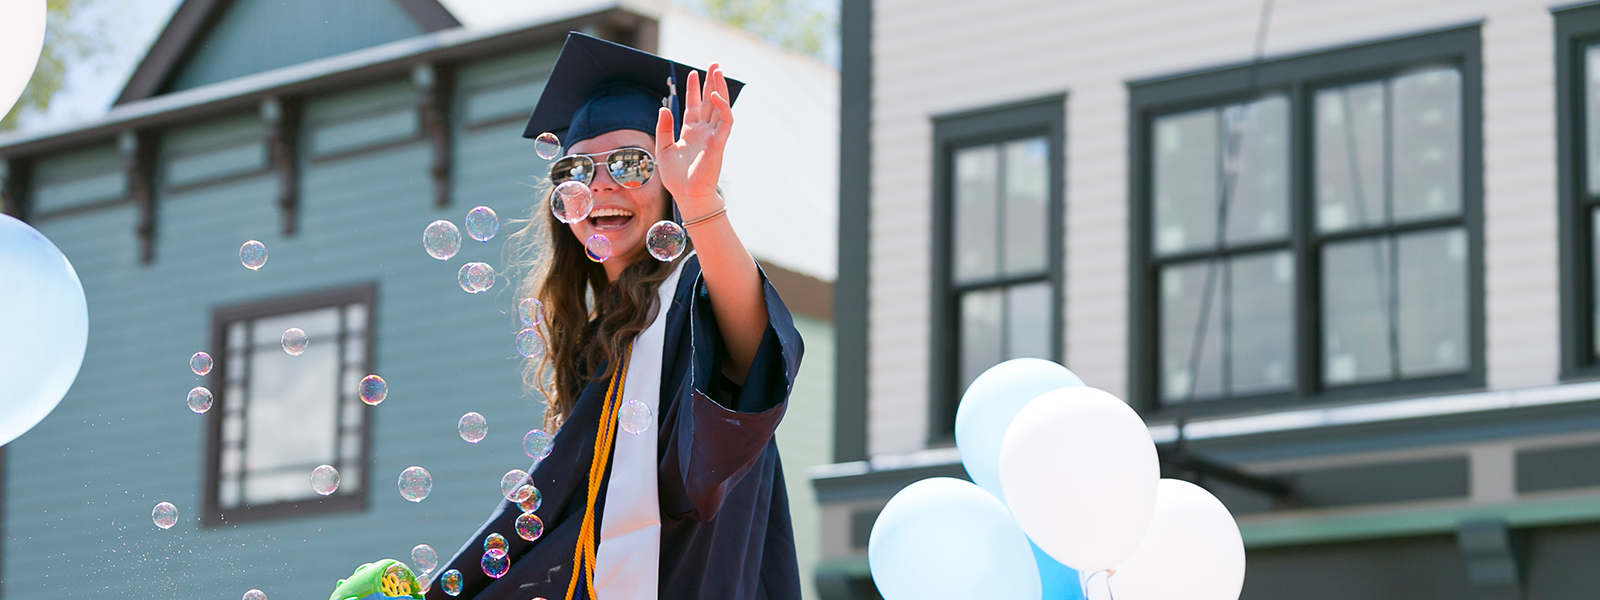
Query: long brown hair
{"points": [[589, 320]]}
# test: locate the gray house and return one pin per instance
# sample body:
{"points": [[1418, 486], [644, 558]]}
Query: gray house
{"points": [[334, 131], [1395, 202]]}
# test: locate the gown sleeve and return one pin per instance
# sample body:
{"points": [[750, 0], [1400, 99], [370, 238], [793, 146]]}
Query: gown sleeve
{"points": [[714, 430]]}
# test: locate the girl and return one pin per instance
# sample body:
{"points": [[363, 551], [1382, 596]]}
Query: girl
{"points": [[695, 357]]}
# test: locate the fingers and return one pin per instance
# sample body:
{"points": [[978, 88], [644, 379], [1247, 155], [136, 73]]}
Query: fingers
{"points": [[721, 120], [692, 107], [719, 82], [663, 130]]}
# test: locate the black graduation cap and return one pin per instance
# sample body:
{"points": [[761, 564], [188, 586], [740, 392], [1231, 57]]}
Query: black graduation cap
{"points": [[599, 86]]}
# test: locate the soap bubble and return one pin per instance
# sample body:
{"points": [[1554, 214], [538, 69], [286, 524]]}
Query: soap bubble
{"points": [[536, 444], [530, 343], [532, 502], [324, 480], [634, 417], [531, 310], [294, 341], [598, 247], [547, 145], [252, 255], [44, 324], [199, 400], [529, 527], [441, 239], [450, 581], [255, 595], [415, 483], [475, 277], [571, 202], [473, 427], [495, 563], [200, 363], [495, 541], [373, 390], [425, 558], [165, 515], [511, 482], [666, 240], [482, 223]]}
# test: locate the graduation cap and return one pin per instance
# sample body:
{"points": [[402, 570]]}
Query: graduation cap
{"points": [[598, 87]]}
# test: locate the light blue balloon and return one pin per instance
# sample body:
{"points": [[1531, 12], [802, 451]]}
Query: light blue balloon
{"points": [[991, 402], [44, 327], [943, 538], [1057, 581]]}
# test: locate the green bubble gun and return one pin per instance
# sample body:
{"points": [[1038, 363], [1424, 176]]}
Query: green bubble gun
{"points": [[382, 580]]}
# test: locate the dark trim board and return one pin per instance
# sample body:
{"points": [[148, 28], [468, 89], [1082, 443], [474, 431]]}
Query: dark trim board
{"points": [[1038, 117], [851, 289], [1297, 77], [803, 294], [1575, 27], [193, 18], [211, 514]]}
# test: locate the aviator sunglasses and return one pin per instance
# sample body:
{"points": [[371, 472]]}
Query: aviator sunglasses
{"points": [[629, 167]]}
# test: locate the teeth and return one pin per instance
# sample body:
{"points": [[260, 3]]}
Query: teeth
{"points": [[609, 212]]}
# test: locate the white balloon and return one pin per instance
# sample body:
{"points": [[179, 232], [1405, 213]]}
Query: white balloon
{"points": [[1079, 472], [991, 402], [44, 327], [21, 39], [1193, 550], [946, 539]]}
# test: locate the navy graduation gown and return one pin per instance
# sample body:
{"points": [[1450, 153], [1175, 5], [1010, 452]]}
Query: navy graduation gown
{"points": [[725, 529]]}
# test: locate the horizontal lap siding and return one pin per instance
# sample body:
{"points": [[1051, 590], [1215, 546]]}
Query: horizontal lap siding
{"points": [[933, 58], [81, 485]]}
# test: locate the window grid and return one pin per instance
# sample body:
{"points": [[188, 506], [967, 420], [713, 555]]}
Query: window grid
{"points": [[228, 494], [1300, 78], [1577, 40]]}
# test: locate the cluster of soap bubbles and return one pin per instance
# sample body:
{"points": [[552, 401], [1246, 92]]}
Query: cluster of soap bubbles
{"points": [[475, 277], [529, 343], [415, 483], [472, 427], [425, 559]]}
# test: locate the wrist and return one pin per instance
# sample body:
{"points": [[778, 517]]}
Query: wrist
{"points": [[693, 206]]}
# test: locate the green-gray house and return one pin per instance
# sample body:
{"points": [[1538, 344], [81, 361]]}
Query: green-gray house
{"points": [[334, 131]]}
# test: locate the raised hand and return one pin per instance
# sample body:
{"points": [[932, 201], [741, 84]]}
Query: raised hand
{"points": [[691, 166]]}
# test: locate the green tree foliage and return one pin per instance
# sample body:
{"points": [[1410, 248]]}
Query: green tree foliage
{"points": [[794, 24], [64, 42]]}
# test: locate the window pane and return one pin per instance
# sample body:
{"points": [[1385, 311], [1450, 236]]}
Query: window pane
{"points": [[1350, 140], [1185, 187], [1592, 117], [980, 333], [1433, 302], [289, 417], [1355, 312], [1261, 340], [1027, 187], [1258, 208], [1028, 327], [1427, 144], [1182, 287], [976, 213]]}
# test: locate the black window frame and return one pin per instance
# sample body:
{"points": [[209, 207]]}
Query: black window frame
{"points": [[212, 514], [1575, 28], [1297, 78], [1038, 117]]}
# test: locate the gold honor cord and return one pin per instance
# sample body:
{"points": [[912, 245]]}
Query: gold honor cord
{"points": [[583, 555]]}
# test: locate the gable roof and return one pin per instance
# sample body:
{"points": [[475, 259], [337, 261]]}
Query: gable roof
{"points": [[195, 20]]}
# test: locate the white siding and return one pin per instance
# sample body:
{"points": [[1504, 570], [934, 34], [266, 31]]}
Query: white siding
{"points": [[938, 57]]}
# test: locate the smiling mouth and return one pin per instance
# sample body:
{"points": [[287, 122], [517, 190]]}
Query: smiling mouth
{"points": [[610, 219]]}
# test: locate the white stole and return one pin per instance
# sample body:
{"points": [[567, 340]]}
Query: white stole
{"points": [[628, 560]]}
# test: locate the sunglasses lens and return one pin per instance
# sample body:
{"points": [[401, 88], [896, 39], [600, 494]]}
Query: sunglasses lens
{"points": [[631, 167], [572, 168]]}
